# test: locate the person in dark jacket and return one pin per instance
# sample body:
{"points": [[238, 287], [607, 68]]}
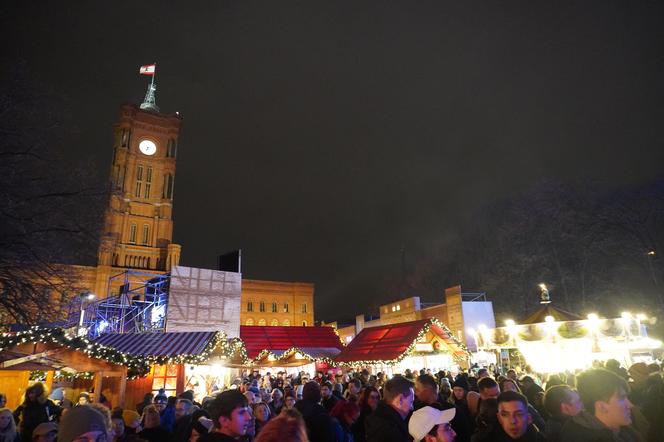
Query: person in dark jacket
{"points": [[426, 393], [153, 431], [34, 410], [607, 416], [533, 392], [463, 421], [183, 420], [514, 421], [561, 403], [369, 400], [320, 427], [344, 414], [147, 400], [388, 423], [329, 400]]}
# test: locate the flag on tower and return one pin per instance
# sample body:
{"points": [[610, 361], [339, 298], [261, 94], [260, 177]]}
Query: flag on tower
{"points": [[148, 69]]}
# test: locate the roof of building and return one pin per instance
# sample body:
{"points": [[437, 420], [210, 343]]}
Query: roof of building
{"points": [[320, 341], [558, 314], [159, 344], [393, 342]]}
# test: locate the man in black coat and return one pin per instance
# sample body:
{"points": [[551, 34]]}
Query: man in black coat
{"points": [[389, 422], [329, 399], [562, 403], [320, 426]]}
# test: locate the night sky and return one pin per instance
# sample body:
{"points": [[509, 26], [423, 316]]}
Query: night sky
{"points": [[322, 137]]}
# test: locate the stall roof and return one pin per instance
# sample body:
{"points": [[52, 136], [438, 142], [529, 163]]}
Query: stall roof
{"points": [[558, 314], [320, 341], [393, 341], [159, 344]]}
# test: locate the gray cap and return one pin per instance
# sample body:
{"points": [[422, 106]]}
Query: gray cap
{"points": [[80, 420]]}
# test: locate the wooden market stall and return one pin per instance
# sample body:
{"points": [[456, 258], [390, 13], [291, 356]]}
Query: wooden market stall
{"points": [[425, 343], [51, 350], [305, 348]]}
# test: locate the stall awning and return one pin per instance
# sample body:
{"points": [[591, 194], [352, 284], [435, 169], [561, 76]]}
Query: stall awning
{"points": [[392, 342], [158, 344], [316, 342]]}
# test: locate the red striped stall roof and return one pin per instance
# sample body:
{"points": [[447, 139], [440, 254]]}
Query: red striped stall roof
{"points": [[257, 338], [389, 342], [158, 344]]}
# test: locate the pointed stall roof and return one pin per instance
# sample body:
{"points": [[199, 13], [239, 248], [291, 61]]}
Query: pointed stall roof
{"points": [[315, 343], [539, 315], [393, 342]]}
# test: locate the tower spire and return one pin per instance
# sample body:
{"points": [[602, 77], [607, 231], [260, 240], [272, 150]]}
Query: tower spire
{"points": [[150, 101]]}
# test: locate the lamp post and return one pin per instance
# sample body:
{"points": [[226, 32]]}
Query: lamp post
{"points": [[86, 296]]}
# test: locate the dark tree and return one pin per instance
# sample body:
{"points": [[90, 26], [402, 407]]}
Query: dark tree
{"points": [[49, 213]]}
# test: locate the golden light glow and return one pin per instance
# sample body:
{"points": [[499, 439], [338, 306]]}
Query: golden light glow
{"points": [[593, 317], [510, 323], [550, 319], [626, 315]]}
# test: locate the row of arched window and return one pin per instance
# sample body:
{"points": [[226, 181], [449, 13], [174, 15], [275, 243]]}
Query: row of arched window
{"points": [[274, 307], [273, 322]]}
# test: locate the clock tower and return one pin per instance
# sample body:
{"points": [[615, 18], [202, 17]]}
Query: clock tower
{"points": [[138, 228]]}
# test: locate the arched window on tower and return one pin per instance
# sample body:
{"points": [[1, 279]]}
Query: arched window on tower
{"points": [[171, 149], [261, 322], [132, 234], [125, 137], [146, 235], [274, 322], [274, 307], [261, 306], [148, 182], [139, 181], [249, 321], [169, 181]]}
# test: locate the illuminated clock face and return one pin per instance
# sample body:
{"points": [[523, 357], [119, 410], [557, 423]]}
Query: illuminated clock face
{"points": [[147, 147]]}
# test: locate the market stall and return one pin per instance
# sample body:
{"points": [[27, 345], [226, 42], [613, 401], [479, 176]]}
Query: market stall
{"points": [[393, 348], [288, 349], [553, 340]]}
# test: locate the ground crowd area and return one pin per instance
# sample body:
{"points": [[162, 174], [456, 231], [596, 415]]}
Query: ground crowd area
{"points": [[607, 402]]}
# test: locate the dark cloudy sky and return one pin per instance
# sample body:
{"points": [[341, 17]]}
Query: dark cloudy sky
{"points": [[321, 137]]}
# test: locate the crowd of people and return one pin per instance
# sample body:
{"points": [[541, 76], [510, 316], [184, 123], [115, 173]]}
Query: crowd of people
{"points": [[604, 403]]}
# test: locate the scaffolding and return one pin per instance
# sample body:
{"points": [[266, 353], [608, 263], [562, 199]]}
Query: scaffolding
{"points": [[139, 306]]}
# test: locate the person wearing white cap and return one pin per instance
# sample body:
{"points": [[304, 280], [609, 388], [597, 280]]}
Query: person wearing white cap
{"points": [[428, 424]]}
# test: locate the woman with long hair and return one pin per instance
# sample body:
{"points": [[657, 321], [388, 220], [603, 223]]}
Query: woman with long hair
{"points": [[344, 415], [262, 415], [369, 399], [34, 410], [8, 431], [152, 429]]}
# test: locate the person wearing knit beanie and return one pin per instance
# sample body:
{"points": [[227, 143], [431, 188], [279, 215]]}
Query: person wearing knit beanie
{"points": [[82, 421]]}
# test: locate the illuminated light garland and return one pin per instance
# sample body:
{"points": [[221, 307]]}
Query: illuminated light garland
{"points": [[137, 365], [464, 357]]}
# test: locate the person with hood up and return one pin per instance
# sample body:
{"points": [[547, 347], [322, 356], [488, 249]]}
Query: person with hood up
{"points": [[320, 427]]}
